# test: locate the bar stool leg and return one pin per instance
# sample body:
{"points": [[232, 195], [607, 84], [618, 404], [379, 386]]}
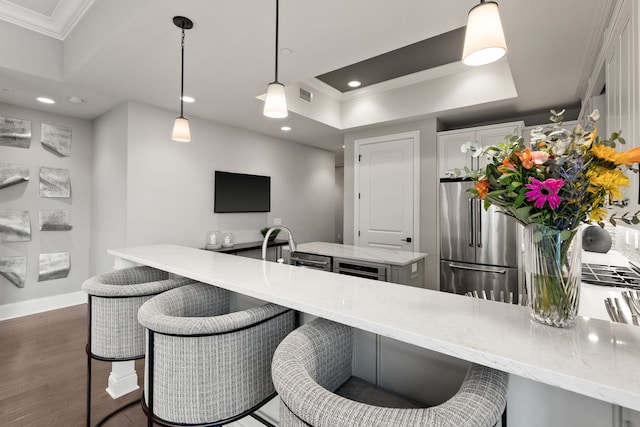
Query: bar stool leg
{"points": [[88, 389]]}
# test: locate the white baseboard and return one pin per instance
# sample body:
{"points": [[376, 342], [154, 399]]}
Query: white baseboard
{"points": [[38, 305]]}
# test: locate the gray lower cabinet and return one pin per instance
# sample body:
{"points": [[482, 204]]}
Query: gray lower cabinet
{"points": [[411, 274], [630, 418], [423, 375]]}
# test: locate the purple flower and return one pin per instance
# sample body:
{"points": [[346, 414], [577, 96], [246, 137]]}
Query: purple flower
{"points": [[541, 192]]}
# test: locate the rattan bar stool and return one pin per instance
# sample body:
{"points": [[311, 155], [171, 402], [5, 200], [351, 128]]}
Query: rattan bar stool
{"points": [[114, 334], [204, 365], [312, 372]]}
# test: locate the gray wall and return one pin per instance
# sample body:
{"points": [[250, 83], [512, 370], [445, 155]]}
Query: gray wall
{"points": [[109, 204], [428, 188], [169, 186], [131, 185], [339, 207], [26, 196]]}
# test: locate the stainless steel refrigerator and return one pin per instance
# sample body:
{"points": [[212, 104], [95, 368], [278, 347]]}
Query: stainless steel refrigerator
{"points": [[478, 248]]}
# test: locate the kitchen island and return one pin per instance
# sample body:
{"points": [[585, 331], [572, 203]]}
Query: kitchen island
{"points": [[598, 359], [362, 253], [390, 265]]}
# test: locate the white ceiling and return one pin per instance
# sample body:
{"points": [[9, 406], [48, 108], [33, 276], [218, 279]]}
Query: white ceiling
{"points": [[54, 18], [110, 51]]}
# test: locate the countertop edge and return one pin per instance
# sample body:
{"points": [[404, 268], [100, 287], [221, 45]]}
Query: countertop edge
{"points": [[623, 396]]}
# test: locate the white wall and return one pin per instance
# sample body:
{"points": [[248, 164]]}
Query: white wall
{"points": [[428, 188], [26, 196], [169, 185]]}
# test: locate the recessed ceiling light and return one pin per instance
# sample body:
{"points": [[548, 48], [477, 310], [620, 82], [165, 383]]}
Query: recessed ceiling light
{"points": [[286, 51], [188, 99], [285, 128], [45, 100], [75, 100], [354, 83]]}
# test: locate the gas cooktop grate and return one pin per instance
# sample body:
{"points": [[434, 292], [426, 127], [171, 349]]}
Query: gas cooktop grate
{"points": [[610, 275]]}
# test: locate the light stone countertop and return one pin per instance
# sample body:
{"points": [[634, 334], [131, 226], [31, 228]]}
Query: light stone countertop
{"points": [[379, 255], [598, 359]]}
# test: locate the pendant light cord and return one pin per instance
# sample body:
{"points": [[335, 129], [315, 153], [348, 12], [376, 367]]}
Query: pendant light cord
{"points": [[277, 26], [182, 77]]}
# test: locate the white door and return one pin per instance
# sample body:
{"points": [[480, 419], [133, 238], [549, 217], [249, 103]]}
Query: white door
{"points": [[386, 205]]}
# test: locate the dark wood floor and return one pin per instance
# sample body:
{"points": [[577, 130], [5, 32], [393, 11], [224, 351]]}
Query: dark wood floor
{"points": [[43, 374]]}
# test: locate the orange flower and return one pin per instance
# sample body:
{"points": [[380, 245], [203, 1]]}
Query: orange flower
{"points": [[629, 156], [525, 158], [482, 187], [507, 166]]}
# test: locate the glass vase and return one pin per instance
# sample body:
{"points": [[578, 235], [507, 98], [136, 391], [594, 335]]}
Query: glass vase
{"points": [[552, 273]]}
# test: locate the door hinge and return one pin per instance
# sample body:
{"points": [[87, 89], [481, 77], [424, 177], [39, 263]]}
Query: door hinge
{"points": [[358, 195], [358, 233], [359, 157]]}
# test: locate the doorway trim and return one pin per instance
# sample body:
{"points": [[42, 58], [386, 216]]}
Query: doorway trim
{"points": [[413, 135]]}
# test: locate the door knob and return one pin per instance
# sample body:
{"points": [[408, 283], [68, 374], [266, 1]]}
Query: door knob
{"points": [[408, 240]]}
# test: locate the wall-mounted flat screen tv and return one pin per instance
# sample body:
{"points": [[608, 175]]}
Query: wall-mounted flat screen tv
{"points": [[238, 192]]}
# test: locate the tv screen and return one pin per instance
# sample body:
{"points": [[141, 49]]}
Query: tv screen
{"points": [[237, 192]]}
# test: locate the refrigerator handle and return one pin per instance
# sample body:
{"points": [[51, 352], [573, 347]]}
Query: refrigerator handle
{"points": [[477, 268], [478, 224], [471, 221]]}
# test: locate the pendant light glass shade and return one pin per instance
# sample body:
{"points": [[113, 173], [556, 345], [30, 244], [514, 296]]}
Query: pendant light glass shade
{"points": [[181, 132], [275, 105], [484, 40]]}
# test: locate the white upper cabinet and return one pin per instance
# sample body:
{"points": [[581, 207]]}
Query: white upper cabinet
{"points": [[450, 155], [621, 76], [617, 70]]}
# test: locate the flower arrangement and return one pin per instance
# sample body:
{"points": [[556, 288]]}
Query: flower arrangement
{"points": [[564, 179]]}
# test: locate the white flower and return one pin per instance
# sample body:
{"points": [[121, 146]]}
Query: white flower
{"points": [[473, 146]]}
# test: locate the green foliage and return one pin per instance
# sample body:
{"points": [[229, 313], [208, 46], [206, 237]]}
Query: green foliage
{"points": [[559, 182]]}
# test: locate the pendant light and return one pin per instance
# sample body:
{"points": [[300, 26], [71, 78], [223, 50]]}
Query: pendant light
{"points": [[484, 40], [275, 105], [181, 132]]}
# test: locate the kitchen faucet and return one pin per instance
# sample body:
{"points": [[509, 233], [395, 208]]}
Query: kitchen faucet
{"points": [[292, 243]]}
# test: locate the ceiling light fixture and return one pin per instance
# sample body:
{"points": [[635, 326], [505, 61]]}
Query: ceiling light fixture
{"points": [[285, 128], [275, 105], [354, 83], [181, 132], [186, 98], [45, 100], [484, 40]]}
